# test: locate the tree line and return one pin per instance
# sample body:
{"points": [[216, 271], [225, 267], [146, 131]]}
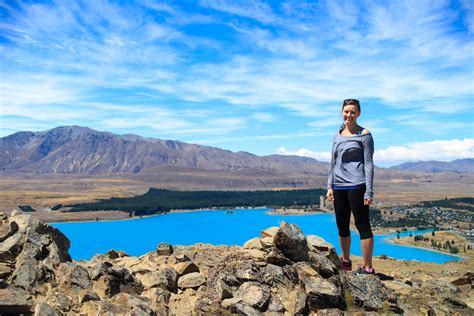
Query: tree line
{"points": [[161, 200]]}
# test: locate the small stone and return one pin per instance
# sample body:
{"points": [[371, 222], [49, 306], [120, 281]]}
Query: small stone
{"points": [[7, 229], [269, 232], [14, 213], [318, 243], [44, 309], [86, 296], [267, 242], [230, 301], [164, 249], [181, 257], [254, 294], [253, 243], [191, 280], [186, 267]]}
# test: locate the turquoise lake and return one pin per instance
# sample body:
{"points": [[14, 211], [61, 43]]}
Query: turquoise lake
{"points": [[139, 236]]}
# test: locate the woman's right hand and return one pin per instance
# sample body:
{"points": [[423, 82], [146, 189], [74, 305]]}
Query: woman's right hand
{"points": [[330, 195]]}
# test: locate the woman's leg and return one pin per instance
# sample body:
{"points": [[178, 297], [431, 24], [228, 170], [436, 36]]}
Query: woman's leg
{"points": [[342, 209], [362, 221]]}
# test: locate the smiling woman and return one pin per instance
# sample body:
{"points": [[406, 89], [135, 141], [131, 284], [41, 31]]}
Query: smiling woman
{"points": [[350, 184]]}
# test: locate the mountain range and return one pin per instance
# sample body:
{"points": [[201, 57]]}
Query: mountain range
{"points": [[81, 150]]}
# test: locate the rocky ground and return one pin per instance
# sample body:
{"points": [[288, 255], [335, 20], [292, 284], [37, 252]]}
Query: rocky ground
{"points": [[280, 272]]}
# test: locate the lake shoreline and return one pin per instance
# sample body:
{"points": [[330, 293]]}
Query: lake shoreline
{"points": [[116, 215], [392, 241]]}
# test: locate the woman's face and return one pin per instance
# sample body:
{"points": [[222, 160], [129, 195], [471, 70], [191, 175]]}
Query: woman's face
{"points": [[350, 113]]}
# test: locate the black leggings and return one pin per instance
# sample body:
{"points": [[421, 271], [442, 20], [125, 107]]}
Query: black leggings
{"points": [[344, 202]]}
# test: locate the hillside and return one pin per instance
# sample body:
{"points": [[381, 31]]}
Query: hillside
{"points": [[457, 166], [81, 150]]}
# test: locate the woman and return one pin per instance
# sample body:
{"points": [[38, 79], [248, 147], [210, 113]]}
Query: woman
{"points": [[350, 184]]}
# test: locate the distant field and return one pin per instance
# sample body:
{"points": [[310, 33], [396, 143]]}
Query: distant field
{"points": [[44, 191]]}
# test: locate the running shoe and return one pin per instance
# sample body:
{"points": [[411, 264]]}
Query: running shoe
{"points": [[346, 265], [361, 270]]}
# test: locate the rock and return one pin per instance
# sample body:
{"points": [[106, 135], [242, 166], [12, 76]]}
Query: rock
{"points": [[106, 286], [276, 257], [25, 274], [44, 309], [275, 305], [7, 230], [186, 267], [3, 216], [131, 301], [321, 293], [76, 278], [269, 232], [256, 254], [182, 304], [330, 312], [11, 247], [158, 296], [243, 309], [325, 267], [6, 270], [291, 241], [223, 290], [318, 243], [191, 280], [253, 244], [295, 303], [181, 257], [15, 301], [99, 269], [139, 312], [466, 279], [164, 249], [267, 242], [61, 302], [439, 288], [86, 296], [114, 254], [168, 279], [15, 213], [367, 291], [254, 294]]}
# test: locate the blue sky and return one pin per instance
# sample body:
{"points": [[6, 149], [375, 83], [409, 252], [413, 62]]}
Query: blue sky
{"points": [[262, 77]]}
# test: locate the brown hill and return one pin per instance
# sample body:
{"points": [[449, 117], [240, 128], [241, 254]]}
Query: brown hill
{"points": [[81, 150]]}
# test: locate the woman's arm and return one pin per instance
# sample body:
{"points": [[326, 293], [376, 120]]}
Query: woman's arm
{"points": [[329, 194], [368, 142]]}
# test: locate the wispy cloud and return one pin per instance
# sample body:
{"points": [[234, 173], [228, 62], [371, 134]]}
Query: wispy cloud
{"points": [[224, 69]]}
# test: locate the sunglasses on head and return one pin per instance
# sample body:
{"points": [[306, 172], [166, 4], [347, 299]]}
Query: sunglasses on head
{"points": [[351, 101]]}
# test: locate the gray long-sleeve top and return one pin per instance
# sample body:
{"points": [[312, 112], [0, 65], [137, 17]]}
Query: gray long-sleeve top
{"points": [[352, 162]]}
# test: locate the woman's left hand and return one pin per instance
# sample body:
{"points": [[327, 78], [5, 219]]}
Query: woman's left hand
{"points": [[367, 201]]}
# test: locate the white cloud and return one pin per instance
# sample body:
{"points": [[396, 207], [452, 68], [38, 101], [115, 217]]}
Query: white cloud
{"points": [[440, 150], [263, 117], [303, 152]]}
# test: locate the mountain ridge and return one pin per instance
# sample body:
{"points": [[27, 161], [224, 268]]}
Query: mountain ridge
{"points": [[76, 149]]}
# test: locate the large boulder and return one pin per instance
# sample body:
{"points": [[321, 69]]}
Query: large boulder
{"points": [[292, 242]]}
